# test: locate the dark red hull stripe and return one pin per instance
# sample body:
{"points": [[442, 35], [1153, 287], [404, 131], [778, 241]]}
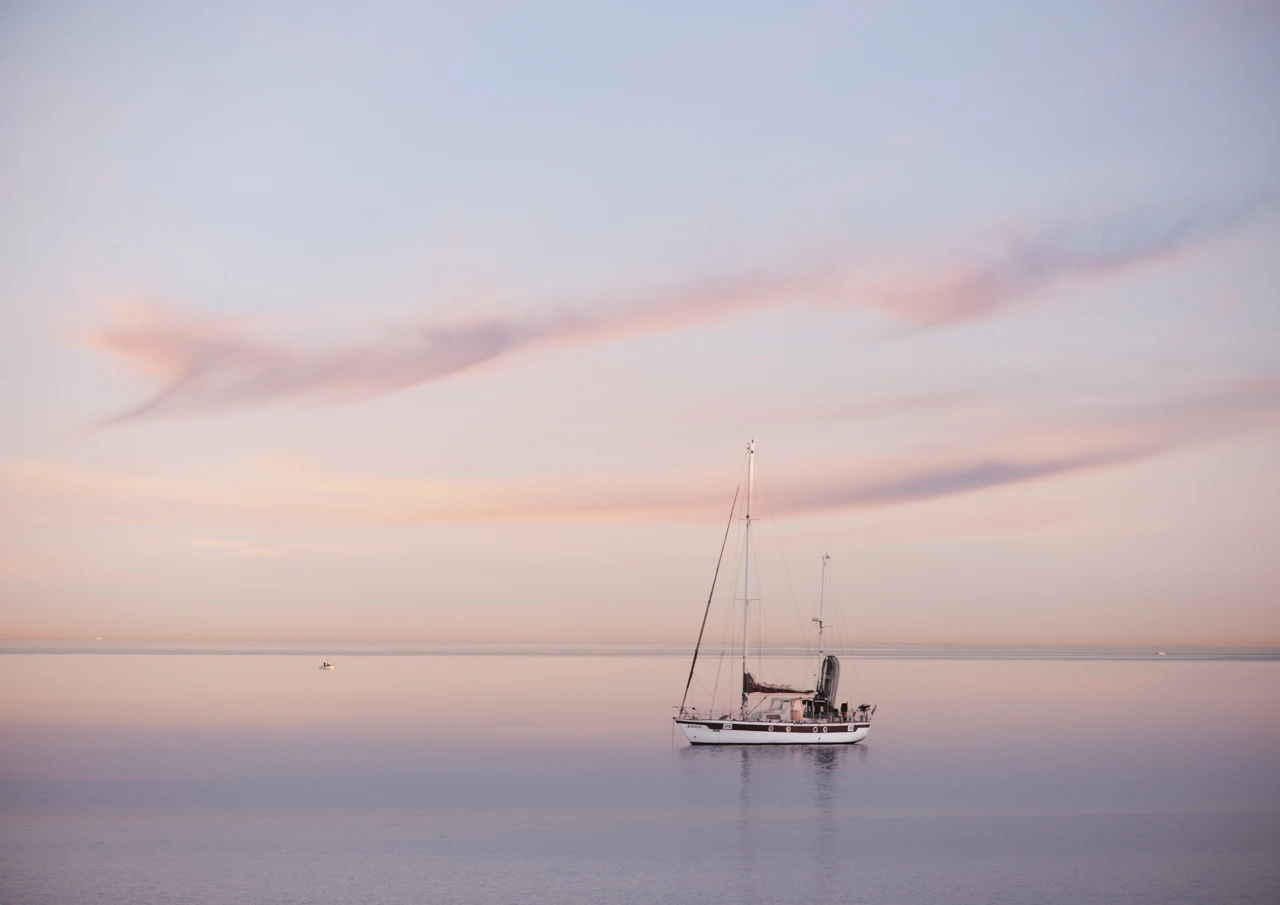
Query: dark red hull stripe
{"points": [[717, 725]]}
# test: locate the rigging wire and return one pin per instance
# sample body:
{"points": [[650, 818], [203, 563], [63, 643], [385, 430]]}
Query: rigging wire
{"points": [[716, 689], [726, 628], [810, 647], [786, 568], [845, 646], [712, 593], [729, 626]]}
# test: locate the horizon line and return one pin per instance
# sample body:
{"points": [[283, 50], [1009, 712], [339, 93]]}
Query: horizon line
{"points": [[1252, 644]]}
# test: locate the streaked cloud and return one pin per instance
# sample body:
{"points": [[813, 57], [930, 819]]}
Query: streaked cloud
{"points": [[263, 547], [205, 365], [1090, 439]]}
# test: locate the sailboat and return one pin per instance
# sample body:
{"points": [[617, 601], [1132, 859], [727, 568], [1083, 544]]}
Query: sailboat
{"points": [[774, 714]]}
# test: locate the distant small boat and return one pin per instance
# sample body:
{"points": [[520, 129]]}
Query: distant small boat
{"points": [[1161, 653], [326, 665]]}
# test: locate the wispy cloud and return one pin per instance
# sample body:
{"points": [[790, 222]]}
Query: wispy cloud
{"points": [[298, 493], [1026, 263], [263, 548], [205, 364]]}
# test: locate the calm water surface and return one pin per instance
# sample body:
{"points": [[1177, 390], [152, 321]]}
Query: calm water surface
{"points": [[473, 776]]}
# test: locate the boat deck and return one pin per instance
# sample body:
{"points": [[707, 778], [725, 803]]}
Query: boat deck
{"points": [[772, 732]]}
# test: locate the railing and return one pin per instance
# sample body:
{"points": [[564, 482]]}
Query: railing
{"points": [[852, 716]]}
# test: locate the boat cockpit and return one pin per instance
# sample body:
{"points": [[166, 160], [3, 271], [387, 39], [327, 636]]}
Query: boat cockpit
{"points": [[809, 709]]}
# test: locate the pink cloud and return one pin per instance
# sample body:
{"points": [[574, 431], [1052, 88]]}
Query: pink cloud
{"points": [[206, 365], [263, 547], [295, 492]]}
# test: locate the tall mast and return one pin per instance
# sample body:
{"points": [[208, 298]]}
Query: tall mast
{"points": [[746, 570]]}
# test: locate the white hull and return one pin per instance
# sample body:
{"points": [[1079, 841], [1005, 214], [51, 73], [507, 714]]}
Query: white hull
{"points": [[738, 732]]}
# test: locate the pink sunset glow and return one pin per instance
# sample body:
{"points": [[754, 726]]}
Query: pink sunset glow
{"points": [[278, 365]]}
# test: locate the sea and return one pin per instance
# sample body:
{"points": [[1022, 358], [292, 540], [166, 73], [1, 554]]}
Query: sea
{"points": [[136, 773]]}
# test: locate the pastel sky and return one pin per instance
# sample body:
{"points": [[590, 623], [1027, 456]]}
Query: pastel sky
{"points": [[396, 322]]}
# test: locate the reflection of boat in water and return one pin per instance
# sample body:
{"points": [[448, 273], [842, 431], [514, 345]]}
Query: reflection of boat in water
{"points": [[326, 665], [771, 714]]}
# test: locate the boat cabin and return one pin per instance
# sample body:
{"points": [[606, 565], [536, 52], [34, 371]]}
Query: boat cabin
{"points": [[782, 710], [799, 709]]}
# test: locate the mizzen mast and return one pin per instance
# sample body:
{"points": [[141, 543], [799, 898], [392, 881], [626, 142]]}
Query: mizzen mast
{"points": [[822, 593]]}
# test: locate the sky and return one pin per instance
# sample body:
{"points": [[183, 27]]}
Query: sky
{"points": [[453, 322]]}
